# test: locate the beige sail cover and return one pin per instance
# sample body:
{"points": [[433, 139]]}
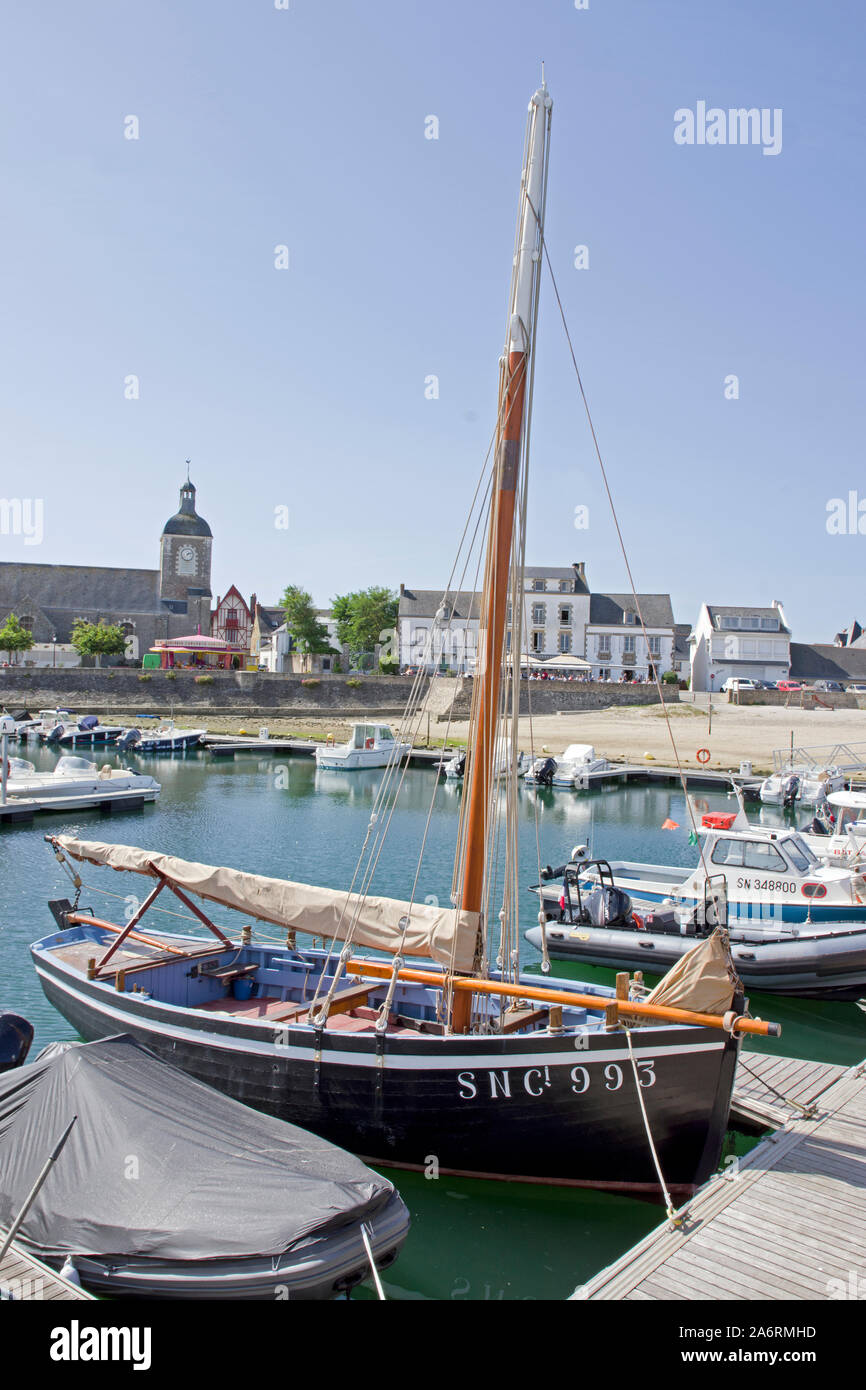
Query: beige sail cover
{"points": [[436, 933], [702, 980]]}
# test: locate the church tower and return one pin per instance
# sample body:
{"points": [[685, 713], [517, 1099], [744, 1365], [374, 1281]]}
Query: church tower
{"points": [[185, 563]]}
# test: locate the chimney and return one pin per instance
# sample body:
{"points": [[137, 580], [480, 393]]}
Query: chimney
{"points": [[402, 590], [579, 567]]}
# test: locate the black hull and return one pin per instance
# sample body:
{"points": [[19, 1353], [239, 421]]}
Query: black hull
{"points": [[524, 1108]]}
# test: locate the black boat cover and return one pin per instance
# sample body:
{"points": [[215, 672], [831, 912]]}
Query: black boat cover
{"points": [[160, 1165]]}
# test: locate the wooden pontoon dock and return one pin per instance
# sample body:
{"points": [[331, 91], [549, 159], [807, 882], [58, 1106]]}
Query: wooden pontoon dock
{"points": [[24, 1278], [788, 1221]]}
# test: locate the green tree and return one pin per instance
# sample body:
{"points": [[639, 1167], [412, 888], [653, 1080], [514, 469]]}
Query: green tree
{"points": [[98, 639], [367, 619], [13, 637], [309, 633]]}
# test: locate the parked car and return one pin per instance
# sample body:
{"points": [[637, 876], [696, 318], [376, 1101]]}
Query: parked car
{"points": [[738, 683], [788, 685], [829, 685], [858, 689]]}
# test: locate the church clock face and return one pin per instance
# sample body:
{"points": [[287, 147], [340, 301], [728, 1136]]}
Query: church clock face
{"points": [[186, 559]]}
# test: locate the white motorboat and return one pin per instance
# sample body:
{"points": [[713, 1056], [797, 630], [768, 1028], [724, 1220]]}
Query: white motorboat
{"points": [[807, 784], [571, 770], [75, 777], [23, 722], [455, 767], [50, 725], [588, 919], [167, 738], [771, 876], [838, 829], [371, 745], [88, 730]]}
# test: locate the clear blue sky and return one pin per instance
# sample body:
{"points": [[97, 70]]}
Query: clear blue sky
{"points": [[305, 387]]}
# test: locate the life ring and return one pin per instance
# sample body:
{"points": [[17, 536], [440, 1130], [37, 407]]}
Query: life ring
{"points": [[369, 743], [703, 755]]}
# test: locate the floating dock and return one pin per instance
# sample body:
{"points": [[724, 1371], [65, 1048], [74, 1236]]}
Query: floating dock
{"points": [[787, 1221], [22, 809], [226, 746], [23, 1278]]}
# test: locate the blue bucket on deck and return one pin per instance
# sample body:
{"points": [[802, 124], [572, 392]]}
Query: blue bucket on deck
{"points": [[242, 988]]}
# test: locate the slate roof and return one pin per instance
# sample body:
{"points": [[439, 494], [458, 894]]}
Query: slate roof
{"points": [[186, 521], [682, 632], [610, 609], [557, 572], [824, 661], [424, 603], [718, 611], [73, 587]]}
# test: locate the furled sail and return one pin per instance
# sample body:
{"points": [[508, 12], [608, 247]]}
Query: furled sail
{"points": [[702, 980], [436, 933]]}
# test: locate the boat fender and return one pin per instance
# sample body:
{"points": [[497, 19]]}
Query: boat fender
{"points": [[703, 755]]}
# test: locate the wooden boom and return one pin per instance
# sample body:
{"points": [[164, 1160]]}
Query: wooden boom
{"points": [[661, 1013]]}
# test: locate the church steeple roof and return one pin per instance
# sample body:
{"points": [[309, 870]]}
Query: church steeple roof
{"points": [[186, 521]]}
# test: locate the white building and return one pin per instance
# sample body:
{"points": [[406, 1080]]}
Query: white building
{"points": [[278, 656], [740, 641], [615, 642], [560, 617]]}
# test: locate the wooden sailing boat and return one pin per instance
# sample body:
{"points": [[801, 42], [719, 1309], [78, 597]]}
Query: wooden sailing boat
{"points": [[473, 1066]]}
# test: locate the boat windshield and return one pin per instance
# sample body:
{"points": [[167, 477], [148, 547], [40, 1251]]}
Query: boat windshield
{"points": [[19, 767], [800, 854], [71, 764], [365, 735]]}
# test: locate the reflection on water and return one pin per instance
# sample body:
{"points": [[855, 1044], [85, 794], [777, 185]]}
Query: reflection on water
{"points": [[282, 817]]}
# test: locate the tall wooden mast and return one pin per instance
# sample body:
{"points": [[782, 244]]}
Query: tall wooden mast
{"points": [[511, 425]]}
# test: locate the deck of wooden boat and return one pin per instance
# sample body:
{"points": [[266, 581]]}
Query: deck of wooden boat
{"points": [[789, 1219], [29, 1280]]}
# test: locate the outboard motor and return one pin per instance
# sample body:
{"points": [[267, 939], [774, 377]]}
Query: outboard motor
{"points": [[130, 738], [542, 771], [606, 906], [790, 792], [16, 1035], [54, 734]]}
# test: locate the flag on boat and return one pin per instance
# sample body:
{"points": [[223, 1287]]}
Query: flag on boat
{"points": [[670, 824]]}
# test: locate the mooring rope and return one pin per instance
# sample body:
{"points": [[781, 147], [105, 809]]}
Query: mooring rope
{"points": [[673, 1215]]}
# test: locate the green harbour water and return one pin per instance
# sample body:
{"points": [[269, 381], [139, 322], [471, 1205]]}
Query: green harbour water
{"points": [[280, 816]]}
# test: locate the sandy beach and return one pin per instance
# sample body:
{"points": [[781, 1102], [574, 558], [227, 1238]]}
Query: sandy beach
{"points": [[738, 731], [628, 733]]}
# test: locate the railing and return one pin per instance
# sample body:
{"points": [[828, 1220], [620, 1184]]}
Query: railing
{"points": [[848, 757]]}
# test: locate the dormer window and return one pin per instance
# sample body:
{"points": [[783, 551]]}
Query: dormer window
{"points": [[538, 586]]}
